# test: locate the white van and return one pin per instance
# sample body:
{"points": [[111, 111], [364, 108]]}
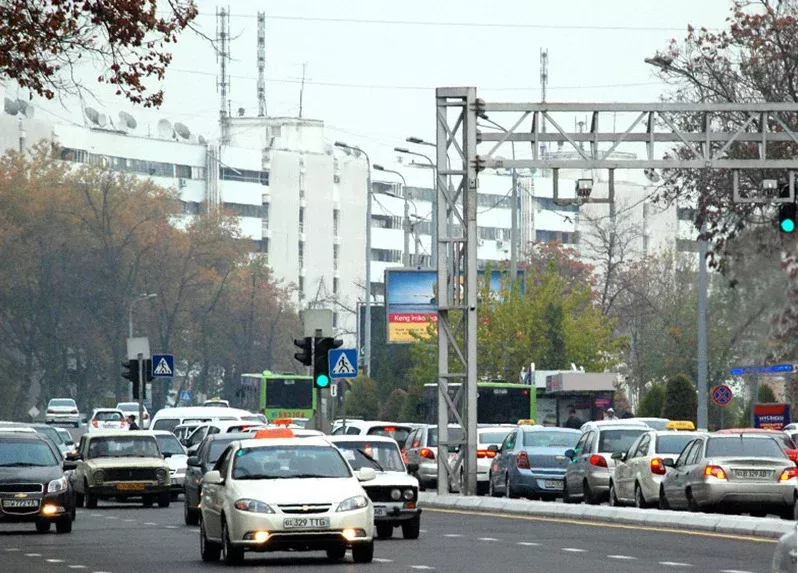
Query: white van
{"points": [[169, 418]]}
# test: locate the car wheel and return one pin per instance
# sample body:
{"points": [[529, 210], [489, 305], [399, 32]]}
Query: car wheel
{"points": [[64, 525], [384, 530], [590, 497], [566, 496], [42, 526], [147, 500], [79, 499], [208, 550], [663, 500], [787, 512], [614, 496], [175, 495], [692, 504], [77, 424], [412, 527], [363, 552], [91, 501], [508, 492], [164, 498], [190, 515], [231, 554], [640, 501], [336, 553]]}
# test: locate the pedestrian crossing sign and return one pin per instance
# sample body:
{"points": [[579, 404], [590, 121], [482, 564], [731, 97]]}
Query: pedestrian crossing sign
{"points": [[343, 363], [163, 365]]}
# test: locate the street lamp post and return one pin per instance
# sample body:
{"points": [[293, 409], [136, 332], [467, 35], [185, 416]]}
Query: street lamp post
{"points": [[143, 296], [406, 221], [434, 225], [367, 333]]}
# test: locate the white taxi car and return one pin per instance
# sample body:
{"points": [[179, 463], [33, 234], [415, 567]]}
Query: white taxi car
{"points": [[283, 494], [394, 493]]}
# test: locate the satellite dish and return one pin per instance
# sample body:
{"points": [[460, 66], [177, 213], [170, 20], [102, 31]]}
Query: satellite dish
{"points": [[202, 140], [92, 114], [127, 120], [651, 175], [193, 138], [182, 130], [26, 108], [102, 120], [11, 107], [164, 129]]}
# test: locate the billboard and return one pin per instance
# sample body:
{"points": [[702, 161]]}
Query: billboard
{"points": [[410, 305], [771, 416]]}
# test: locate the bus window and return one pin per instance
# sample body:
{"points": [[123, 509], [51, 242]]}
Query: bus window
{"points": [[293, 394]]}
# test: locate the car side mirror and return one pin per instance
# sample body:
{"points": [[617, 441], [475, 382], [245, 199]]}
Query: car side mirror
{"points": [[366, 474], [668, 463], [70, 465], [619, 456], [193, 461], [570, 453], [412, 468], [214, 478], [493, 448], [165, 455]]}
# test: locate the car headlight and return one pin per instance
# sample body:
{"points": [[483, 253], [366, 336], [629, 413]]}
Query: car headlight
{"points": [[57, 485], [353, 503], [99, 476], [409, 494], [396, 494], [161, 474], [253, 506]]}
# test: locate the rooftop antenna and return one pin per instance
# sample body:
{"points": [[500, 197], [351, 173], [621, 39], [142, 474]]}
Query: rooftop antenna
{"points": [[223, 82], [544, 81], [302, 88], [261, 64]]}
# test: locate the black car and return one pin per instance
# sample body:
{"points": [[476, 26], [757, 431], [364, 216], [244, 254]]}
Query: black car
{"points": [[199, 464], [33, 487]]}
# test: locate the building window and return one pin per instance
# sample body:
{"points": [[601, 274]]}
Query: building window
{"points": [[386, 255], [241, 210], [556, 237], [183, 171], [335, 285], [336, 219], [301, 219], [377, 289], [265, 215], [245, 175]]}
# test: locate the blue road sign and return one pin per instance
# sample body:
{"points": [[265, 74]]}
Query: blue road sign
{"points": [[186, 395], [163, 365], [343, 363], [721, 394], [774, 369]]}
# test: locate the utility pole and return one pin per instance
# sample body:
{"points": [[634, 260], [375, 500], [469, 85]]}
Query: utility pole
{"points": [[703, 416], [223, 55], [140, 358], [261, 87], [302, 89]]}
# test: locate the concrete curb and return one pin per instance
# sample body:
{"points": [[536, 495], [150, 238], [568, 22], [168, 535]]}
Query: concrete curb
{"points": [[767, 528]]}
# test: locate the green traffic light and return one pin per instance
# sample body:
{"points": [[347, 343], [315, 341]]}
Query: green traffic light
{"points": [[322, 381], [788, 226]]}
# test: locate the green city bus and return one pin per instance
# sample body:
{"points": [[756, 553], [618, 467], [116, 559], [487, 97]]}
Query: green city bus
{"points": [[497, 402], [278, 395]]}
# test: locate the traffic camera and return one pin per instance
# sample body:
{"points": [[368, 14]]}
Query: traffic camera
{"points": [[321, 364]]}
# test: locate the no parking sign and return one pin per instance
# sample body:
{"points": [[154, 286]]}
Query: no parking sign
{"points": [[722, 395]]}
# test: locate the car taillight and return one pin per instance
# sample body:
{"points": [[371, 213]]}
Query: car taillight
{"points": [[522, 461], [598, 461], [486, 454], [714, 471], [788, 474], [427, 453], [146, 416], [657, 467], [50, 411], [124, 423], [74, 412], [94, 423]]}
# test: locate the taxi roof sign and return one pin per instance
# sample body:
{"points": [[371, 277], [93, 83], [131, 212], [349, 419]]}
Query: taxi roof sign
{"points": [[273, 433], [683, 425], [526, 422], [282, 421]]}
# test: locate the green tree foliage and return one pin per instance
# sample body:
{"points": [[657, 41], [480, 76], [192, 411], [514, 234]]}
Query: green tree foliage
{"points": [[766, 396], [363, 400], [653, 401], [681, 402]]}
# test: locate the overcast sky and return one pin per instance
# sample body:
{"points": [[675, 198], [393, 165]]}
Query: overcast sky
{"points": [[373, 82]]}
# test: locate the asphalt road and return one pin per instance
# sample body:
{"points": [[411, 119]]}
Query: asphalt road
{"points": [[120, 538]]}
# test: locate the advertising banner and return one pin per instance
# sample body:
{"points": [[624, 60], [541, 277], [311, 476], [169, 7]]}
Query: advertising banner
{"points": [[411, 305], [771, 416]]}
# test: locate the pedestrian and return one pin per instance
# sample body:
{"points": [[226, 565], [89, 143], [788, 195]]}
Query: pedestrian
{"points": [[573, 421], [610, 415], [131, 423]]}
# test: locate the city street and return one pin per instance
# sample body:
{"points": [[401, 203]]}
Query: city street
{"points": [[120, 538]]}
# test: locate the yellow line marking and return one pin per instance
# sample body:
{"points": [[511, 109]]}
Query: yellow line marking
{"points": [[608, 525]]}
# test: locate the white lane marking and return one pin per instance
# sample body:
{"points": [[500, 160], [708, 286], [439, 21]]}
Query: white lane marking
{"points": [[76, 566], [452, 535], [129, 520], [150, 523], [379, 560], [735, 571], [54, 560], [33, 555], [573, 550], [111, 517], [528, 543], [171, 527], [195, 530], [626, 557], [422, 567], [423, 530], [675, 564], [11, 549], [96, 514], [487, 539]]}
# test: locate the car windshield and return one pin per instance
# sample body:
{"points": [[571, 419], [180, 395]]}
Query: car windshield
{"points": [[66, 437], [217, 447], [109, 416], [386, 455], [168, 424], [62, 403], [744, 446], [287, 462], [618, 440], [454, 434], [553, 439], [496, 437], [132, 407], [398, 433], [169, 444], [672, 444], [123, 447], [51, 433], [26, 453]]}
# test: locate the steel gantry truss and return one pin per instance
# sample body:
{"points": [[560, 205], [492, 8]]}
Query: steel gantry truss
{"points": [[655, 128]]}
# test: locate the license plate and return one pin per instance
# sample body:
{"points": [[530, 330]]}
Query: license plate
{"points": [[552, 484], [380, 511], [752, 474], [132, 486], [306, 522], [20, 503]]}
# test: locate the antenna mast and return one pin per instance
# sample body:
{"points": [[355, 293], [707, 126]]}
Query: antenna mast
{"points": [[261, 64], [544, 81], [222, 56], [302, 89]]}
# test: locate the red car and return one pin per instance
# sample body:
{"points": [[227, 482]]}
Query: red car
{"points": [[783, 439]]}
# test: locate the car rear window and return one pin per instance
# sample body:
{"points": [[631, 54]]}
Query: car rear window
{"points": [[109, 417], [398, 433], [168, 424], [51, 433], [454, 434], [744, 446], [673, 444], [618, 440], [62, 403], [543, 439], [493, 437]]}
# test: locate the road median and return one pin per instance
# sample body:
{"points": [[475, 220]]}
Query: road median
{"points": [[763, 527]]}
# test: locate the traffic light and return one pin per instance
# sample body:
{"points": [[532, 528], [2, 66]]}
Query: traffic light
{"points": [[321, 364], [148, 377], [130, 371], [788, 212], [306, 356]]}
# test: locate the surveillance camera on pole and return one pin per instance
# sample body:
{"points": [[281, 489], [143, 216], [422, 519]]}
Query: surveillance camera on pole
{"points": [[583, 188]]}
